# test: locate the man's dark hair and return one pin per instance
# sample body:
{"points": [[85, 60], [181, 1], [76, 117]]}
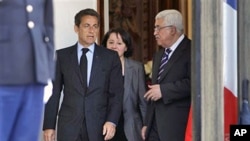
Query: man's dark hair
{"points": [[86, 12]]}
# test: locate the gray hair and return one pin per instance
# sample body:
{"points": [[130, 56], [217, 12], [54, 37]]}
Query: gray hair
{"points": [[171, 17]]}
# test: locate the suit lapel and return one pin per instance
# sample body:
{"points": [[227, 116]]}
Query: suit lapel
{"points": [[175, 56], [156, 65], [74, 62], [128, 75], [95, 66]]}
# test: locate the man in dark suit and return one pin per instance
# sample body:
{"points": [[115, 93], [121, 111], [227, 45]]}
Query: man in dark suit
{"points": [[26, 65], [92, 102], [169, 94]]}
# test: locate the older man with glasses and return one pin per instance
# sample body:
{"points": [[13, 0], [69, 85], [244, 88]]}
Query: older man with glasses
{"points": [[170, 92]]}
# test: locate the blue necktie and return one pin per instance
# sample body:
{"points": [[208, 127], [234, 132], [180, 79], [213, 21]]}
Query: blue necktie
{"points": [[163, 62]]}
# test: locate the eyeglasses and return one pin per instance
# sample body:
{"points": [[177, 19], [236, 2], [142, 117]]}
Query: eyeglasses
{"points": [[158, 28]]}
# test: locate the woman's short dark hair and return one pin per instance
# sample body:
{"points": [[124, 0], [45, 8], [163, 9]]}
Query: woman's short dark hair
{"points": [[86, 12], [126, 38]]}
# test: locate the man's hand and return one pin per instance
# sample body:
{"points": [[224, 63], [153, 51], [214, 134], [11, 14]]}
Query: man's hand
{"points": [[154, 93], [49, 135], [108, 130]]}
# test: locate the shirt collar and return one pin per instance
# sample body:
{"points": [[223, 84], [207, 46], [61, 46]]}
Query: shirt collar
{"points": [[174, 46], [91, 47]]}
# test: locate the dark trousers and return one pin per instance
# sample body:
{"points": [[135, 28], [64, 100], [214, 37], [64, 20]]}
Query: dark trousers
{"points": [[153, 132], [83, 135], [120, 134]]}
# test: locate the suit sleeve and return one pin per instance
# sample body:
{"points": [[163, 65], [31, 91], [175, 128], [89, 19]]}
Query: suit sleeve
{"points": [[49, 35], [142, 91], [51, 108], [116, 90], [49, 19]]}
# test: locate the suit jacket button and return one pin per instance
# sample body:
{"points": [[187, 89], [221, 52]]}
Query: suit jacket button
{"points": [[46, 39], [31, 24], [29, 8]]}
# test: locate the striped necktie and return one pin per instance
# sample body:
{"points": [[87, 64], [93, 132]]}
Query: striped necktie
{"points": [[164, 61]]}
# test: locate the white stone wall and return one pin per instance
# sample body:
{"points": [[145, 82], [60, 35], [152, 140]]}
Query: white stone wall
{"points": [[64, 12]]}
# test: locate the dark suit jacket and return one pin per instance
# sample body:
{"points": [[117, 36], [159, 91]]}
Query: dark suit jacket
{"points": [[134, 104], [171, 111], [100, 103], [26, 42]]}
